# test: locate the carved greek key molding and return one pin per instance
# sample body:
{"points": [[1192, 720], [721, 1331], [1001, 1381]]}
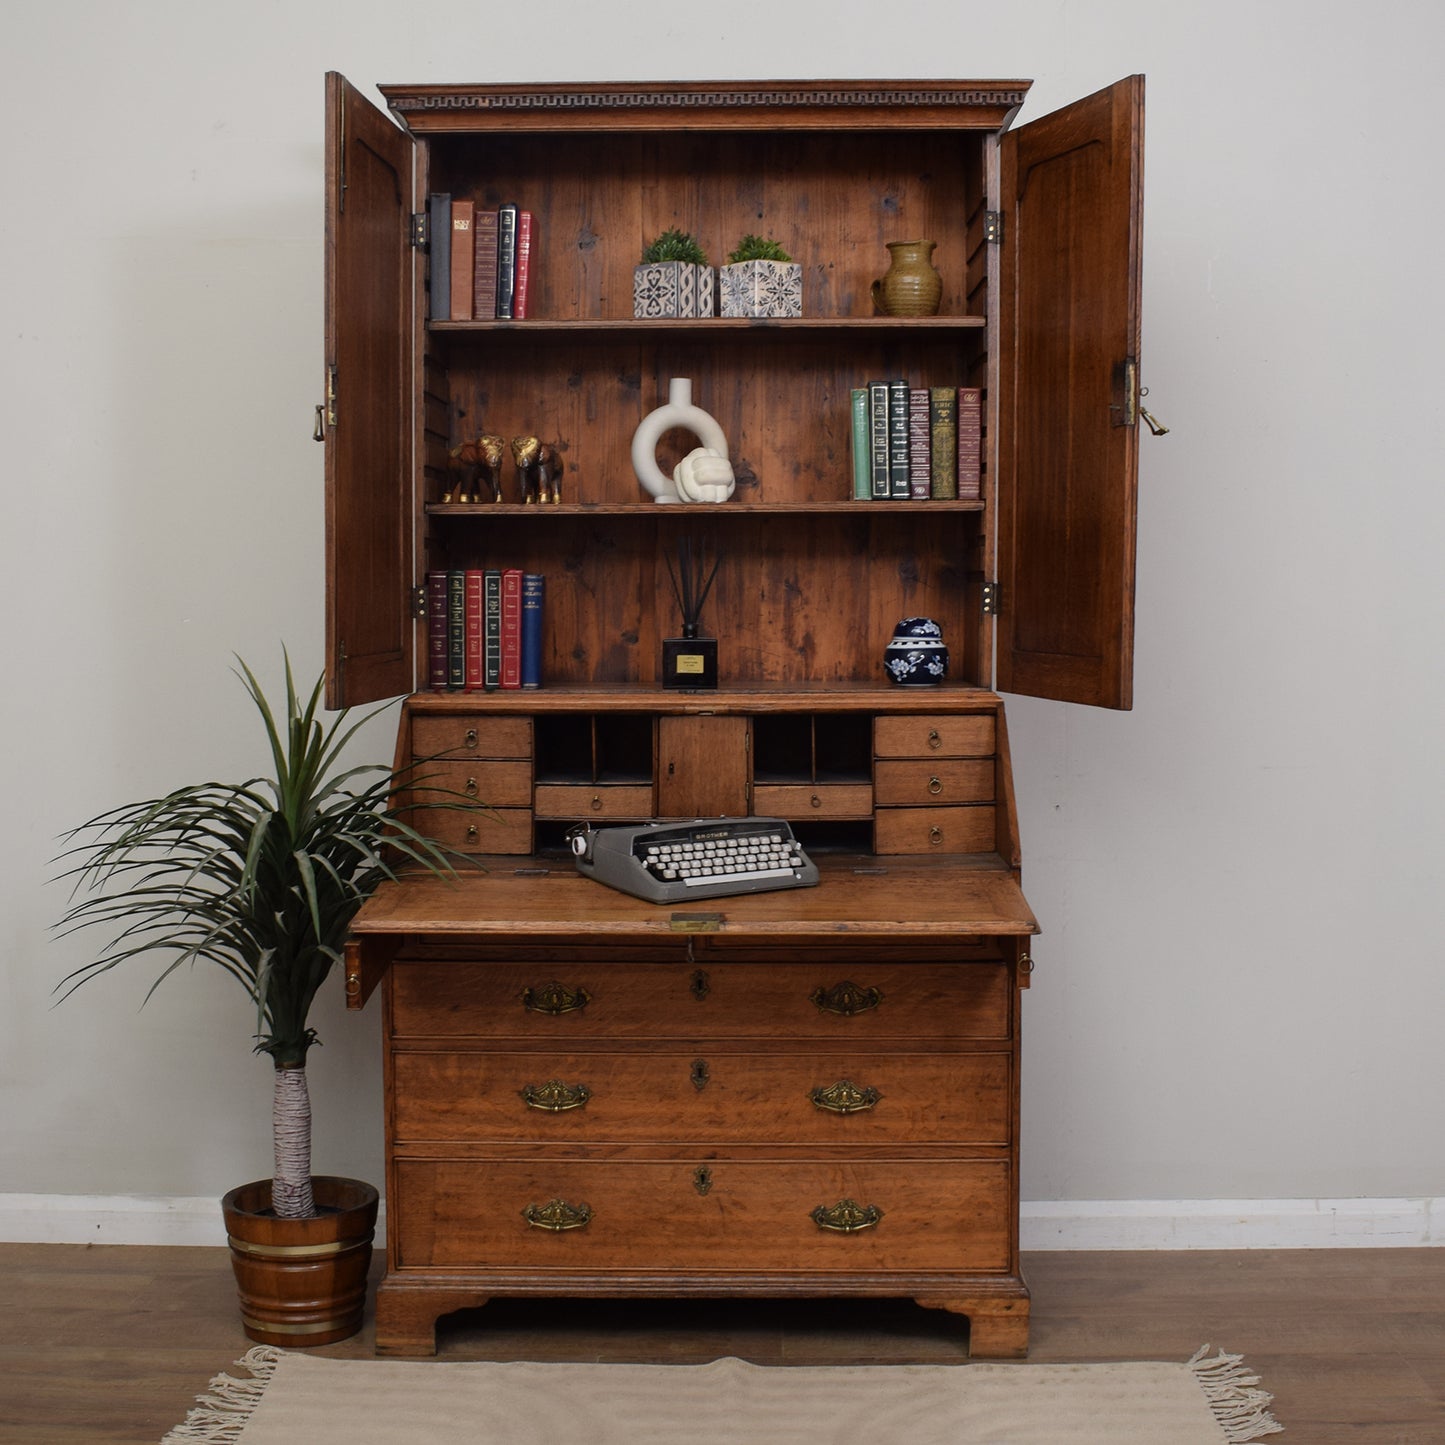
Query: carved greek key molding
{"points": [[701, 99]]}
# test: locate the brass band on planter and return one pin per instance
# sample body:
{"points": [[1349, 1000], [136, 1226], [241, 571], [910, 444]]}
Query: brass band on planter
{"points": [[846, 998], [555, 998], [557, 1215], [846, 1217], [555, 1097], [294, 1251], [844, 1097]]}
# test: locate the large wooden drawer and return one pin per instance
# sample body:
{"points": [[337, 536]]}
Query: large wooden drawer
{"points": [[958, 735], [935, 830], [701, 1096], [700, 1213], [471, 735], [607, 1001]]}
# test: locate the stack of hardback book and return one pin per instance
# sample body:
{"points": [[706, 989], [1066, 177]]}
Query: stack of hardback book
{"points": [[484, 629], [480, 260], [916, 442]]}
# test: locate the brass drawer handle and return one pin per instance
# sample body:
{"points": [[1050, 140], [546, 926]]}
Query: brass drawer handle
{"points": [[469, 738], [935, 835], [555, 1097], [471, 788], [844, 1097], [846, 1217], [555, 998], [596, 802], [472, 833], [934, 740], [557, 1215], [935, 785], [846, 998]]}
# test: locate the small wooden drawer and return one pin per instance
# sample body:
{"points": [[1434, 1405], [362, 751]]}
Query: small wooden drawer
{"points": [[914, 782], [601, 800], [471, 735], [702, 1095], [488, 783], [702, 1213], [965, 735], [829, 1004], [481, 830], [817, 800], [935, 830]]}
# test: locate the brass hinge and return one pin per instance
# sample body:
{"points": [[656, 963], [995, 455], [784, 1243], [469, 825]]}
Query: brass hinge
{"points": [[989, 600], [331, 396], [993, 227], [418, 602], [420, 229]]}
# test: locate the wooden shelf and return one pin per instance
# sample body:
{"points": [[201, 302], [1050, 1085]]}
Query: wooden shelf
{"points": [[654, 509], [722, 325]]}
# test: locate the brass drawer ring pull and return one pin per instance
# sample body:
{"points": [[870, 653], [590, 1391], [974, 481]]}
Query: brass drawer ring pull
{"points": [[846, 998], [557, 1215], [935, 785], [935, 741], [469, 738], [846, 1217], [555, 1097], [844, 1097], [555, 998]]}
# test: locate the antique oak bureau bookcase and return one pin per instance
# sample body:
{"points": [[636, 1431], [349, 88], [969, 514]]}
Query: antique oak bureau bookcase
{"points": [[807, 1092]]}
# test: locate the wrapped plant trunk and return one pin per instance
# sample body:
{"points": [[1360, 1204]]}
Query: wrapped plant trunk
{"points": [[291, 1194]]}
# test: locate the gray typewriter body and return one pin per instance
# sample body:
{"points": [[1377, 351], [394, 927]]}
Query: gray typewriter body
{"points": [[672, 862]]}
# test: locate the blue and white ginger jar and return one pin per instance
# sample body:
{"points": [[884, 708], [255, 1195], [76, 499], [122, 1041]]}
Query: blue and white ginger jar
{"points": [[916, 657]]}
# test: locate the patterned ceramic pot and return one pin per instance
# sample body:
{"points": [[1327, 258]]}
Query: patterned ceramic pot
{"points": [[916, 657]]}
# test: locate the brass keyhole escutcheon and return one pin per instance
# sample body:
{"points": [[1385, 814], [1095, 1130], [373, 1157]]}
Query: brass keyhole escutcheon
{"points": [[702, 1179], [699, 987], [699, 1075]]}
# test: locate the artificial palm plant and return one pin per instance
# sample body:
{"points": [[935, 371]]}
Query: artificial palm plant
{"points": [[261, 878]]}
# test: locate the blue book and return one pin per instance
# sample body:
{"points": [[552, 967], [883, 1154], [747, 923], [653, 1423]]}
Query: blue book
{"points": [[439, 233], [533, 589]]}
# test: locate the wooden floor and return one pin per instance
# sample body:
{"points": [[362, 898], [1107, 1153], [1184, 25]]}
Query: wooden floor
{"points": [[111, 1343]]}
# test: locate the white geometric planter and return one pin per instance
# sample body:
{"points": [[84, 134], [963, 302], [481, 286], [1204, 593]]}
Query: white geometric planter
{"points": [[664, 289], [761, 288]]}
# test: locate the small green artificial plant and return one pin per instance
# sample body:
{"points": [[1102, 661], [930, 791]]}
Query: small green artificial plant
{"points": [[674, 245], [261, 878], [757, 248]]}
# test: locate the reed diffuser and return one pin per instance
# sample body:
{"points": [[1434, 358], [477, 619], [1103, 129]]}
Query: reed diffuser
{"points": [[690, 660]]}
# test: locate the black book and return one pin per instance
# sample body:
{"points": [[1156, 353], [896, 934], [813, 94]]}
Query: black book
{"points": [[898, 439], [439, 244], [506, 260]]}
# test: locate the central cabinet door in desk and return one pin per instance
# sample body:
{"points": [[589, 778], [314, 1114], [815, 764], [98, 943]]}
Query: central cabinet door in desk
{"points": [[712, 1125]]}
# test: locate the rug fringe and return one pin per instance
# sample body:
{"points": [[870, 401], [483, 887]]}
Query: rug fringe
{"points": [[1240, 1410], [221, 1414]]}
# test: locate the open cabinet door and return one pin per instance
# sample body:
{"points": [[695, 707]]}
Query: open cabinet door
{"points": [[1072, 201], [366, 422]]}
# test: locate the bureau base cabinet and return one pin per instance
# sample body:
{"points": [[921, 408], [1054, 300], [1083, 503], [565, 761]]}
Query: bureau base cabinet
{"points": [[806, 1092]]}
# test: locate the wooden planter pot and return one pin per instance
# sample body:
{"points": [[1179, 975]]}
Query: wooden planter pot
{"points": [[302, 1282]]}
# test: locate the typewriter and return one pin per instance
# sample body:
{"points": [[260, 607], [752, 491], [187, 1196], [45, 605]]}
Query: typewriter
{"points": [[701, 858]]}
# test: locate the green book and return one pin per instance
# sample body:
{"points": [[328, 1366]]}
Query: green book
{"points": [[943, 422], [860, 447]]}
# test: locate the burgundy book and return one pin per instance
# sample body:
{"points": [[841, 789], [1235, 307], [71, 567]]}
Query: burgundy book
{"points": [[970, 442], [524, 265], [512, 627], [436, 619], [473, 594]]}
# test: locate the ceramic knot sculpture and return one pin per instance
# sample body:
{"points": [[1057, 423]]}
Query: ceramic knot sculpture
{"points": [[681, 413], [703, 475]]}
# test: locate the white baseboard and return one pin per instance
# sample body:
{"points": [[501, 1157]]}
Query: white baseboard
{"points": [[1231, 1223], [1046, 1225]]}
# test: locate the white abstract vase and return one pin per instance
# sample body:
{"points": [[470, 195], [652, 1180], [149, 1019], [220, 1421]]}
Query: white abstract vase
{"points": [[681, 413]]}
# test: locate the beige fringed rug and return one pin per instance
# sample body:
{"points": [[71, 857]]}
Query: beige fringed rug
{"points": [[294, 1398]]}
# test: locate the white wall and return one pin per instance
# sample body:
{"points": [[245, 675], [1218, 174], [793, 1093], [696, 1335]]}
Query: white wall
{"points": [[1240, 986]]}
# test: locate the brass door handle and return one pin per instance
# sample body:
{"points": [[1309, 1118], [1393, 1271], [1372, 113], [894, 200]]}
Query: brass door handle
{"points": [[555, 998], [555, 1097], [846, 998], [846, 1217], [557, 1215], [844, 1097]]}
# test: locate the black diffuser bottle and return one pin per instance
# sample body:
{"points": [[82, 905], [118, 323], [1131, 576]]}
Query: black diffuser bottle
{"points": [[690, 661]]}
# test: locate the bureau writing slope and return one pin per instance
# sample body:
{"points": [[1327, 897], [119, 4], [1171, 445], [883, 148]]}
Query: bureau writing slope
{"points": [[807, 1092]]}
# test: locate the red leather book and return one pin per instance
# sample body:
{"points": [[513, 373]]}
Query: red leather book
{"points": [[970, 442], [512, 627], [524, 265]]}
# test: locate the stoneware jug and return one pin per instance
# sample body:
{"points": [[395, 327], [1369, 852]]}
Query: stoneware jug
{"points": [[911, 286]]}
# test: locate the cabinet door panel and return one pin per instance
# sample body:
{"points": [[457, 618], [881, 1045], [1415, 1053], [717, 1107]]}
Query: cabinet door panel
{"points": [[368, 393], [702, 767], [1068, 444]]}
